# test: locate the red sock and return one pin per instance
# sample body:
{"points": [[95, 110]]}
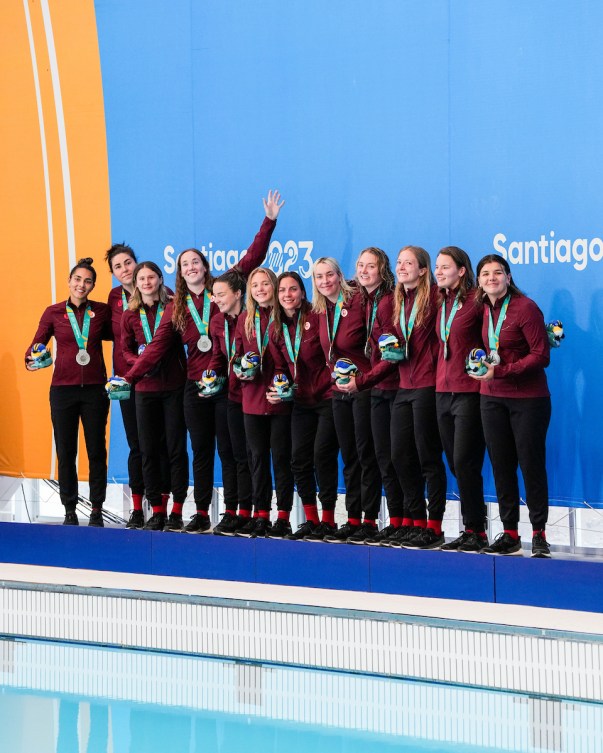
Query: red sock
{"points": [[137, 501], [396, 522], [311, 513], [407, 522], [283, 515], [422, 523], [371, 522], [512, 534], [158, 510], [165, 498], [354, 521], [436, 526], [230, 512], [202, 513], [245, 513], [264, 514], [542, 533], [328, 517], [177, 508]]}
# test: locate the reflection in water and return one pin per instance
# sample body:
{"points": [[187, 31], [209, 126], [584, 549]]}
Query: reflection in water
{"points": [[72, 699]]}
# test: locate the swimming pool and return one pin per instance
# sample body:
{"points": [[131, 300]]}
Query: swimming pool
{"points": [[66, 698]]}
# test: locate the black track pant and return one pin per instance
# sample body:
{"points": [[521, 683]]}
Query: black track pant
{"points": [[67, 406], [128, 416], [240, 450], [460, 423], [270, 435], [382, 402], [515, 431]]}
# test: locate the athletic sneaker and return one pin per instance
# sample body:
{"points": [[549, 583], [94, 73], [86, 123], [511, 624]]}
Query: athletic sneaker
{"points": [[247, 530], [229, 524], [156, 522], [71, 519], [305, 529], [263, 527], [136, 519], [540, 547], [412, 533], [399, 536], [379, 537], [504, 544], [342, 534], [427, 539], [280, 530], [198, 524], [321, 531], [455, 544], [364, 532], [96, 518], [475, 544], [173, 523]]}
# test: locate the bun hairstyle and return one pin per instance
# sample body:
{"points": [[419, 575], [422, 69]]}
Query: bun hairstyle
{"points": [[136, 299], [234, 279], [85, 263]]}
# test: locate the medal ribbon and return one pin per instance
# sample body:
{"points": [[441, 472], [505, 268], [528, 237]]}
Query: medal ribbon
{"points": [[262, 341], [370, 322], [124, 300], [80, 337], [336, 317], [202, 324], [445, 327], [148, 336], [293, 351], [494, 334], [230, 346], [406, 333]]}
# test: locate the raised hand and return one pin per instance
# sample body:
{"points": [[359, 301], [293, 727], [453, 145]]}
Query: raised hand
{"points": [[271, 204]]}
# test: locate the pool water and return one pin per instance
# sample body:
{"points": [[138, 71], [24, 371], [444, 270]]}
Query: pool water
{"points": [[62, 698]]}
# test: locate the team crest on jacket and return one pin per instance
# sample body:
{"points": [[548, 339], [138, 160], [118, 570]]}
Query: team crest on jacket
{"points": [[344, 312], [307, 325]]}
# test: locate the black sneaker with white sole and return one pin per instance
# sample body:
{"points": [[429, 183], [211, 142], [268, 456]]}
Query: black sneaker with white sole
{"points": [[198, 524], [281, 529], [229, 524], [156, 522], [321, 531], [71, 519], [305, 529], [365, 532], [341, 535], [427, 539], [247, 530], [504, 544], [136, 519], [173, 523], [379, 537], [263, 528], [540, 546], [475, 544], [399, 536], [453, 546]]}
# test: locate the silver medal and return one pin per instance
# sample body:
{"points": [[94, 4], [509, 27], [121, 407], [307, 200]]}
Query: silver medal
{"points": [[406, 351], [83, 357], [494, 358], [368, 351], [204, 343], [445, 351], [141, 349]]}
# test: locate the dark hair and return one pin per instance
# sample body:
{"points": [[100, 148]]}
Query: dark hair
{"points": [[119, 248], [278, 309], [495, 259], [234, 279], [180, 307], [85, 263], [388, 282], [136, 300], [461, 259]]}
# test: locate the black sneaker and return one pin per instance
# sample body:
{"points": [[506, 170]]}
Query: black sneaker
{"points": [[136, 519], [229, 524], [364, 532], [321, 530], [399, 536], [427, 539], [379, 537], [96, 518], [305, 529], [156, 522], [247, 530], [504, 544], [280, 530], [474, 544], [540, 546], [173, 523], [198, 524], [411, 534], [263, 528], [71, 519], [342, 534], [455, 544]]}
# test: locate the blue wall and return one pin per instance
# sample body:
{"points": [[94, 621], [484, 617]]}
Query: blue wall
{"points": [[409, 121]]}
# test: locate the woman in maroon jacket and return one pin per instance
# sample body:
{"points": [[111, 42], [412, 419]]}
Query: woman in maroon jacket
{"points": [[458, 328], [295, 347], [159, 394], [343, 334], [515, 403], [267, 425], [190, 314], [78, 387]]}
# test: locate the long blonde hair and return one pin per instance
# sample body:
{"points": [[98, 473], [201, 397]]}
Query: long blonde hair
{"points": [[250, 303], [319, 302], [423, 288]]}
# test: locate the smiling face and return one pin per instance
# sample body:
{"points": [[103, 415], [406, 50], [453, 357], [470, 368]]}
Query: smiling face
{"points": [[261, 288], [227, 299], [408, 271], [81, 284], [290, 294], [447, 274], [192, 269], [367, 271], [327, 281], [122, 267], [494, 280], [148, 282]]}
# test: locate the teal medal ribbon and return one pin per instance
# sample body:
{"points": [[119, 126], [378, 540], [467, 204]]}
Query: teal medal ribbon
{"points": [[124, 300], [494, 334], [406, 333], [262, 341], [202, 324], [445, 326], [370, 324], [148, 335], [336, 318], [81, 337], [230, 346], [293, 351]]}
